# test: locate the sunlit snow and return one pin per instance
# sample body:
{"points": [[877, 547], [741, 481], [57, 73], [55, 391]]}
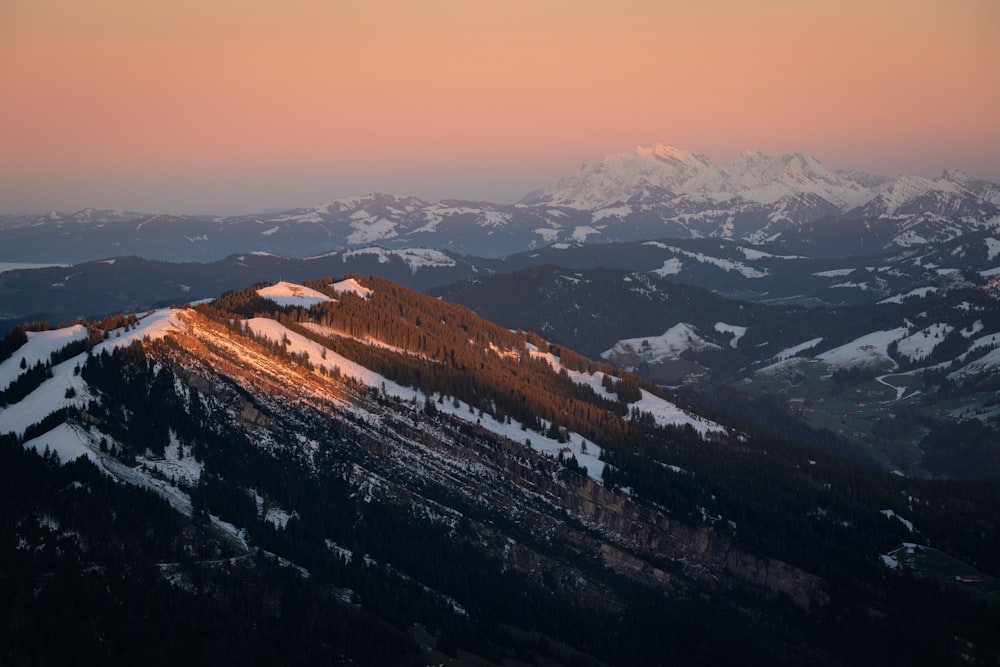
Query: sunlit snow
{"points": [[352, 286], [290, 294], [663, 411]]}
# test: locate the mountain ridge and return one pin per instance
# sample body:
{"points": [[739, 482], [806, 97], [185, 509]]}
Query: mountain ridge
{"points": [[339, 444], [647, 193]]}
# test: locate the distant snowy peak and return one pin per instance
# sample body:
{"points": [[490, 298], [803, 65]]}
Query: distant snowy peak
{"points": [[372, 205], [984, 190], [673, 175], [673, 172], [954, 194], [766, 179], [619, 178]]}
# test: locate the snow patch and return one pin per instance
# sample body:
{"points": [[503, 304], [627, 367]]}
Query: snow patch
{"points": [[919, 293], [415, 258], [177, 464], [890, 514], [834, 273], [668, 346], [992, 248], [793, 351], [65, 440], [670, 267], [868, 350], [291, 294], [548, 235], [921, 344], [734, 329], [352, 286], [581, 233], [39, 348]]}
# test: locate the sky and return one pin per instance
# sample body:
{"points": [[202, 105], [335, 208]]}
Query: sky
{"points": [[235, 106]]}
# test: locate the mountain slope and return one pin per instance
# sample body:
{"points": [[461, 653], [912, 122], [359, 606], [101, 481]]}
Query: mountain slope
{"points": [[450, 487], [871, 380]]}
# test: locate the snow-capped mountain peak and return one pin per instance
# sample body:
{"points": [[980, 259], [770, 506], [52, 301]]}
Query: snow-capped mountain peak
{"points": [[754, 176]]}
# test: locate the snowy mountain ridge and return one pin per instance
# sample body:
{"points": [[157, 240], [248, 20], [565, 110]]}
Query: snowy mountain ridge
{"points": [[648, 193], [753, 176]]}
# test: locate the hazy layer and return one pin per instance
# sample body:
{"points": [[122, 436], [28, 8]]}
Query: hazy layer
{"points": [[187, 106]]}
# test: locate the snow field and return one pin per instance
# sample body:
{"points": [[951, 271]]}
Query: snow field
{"points": [[352, 286], [667, 346], [664, 412], [290, 294], [415, 258], [867, 350], [68, 442], [47, 397], [737, 331], [921, 344], [40, 345]]}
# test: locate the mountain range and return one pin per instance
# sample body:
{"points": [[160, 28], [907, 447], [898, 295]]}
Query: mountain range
{"points": [[791, 201]]}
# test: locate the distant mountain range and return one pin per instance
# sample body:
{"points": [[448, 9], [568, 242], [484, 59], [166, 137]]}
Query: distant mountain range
{"points": [[733, 269], [789, 200]]}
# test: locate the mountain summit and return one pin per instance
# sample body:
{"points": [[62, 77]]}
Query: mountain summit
{"points": [[754, 176]]}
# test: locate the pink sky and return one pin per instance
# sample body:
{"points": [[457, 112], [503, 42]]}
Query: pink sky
{"points": [[234, 106]]}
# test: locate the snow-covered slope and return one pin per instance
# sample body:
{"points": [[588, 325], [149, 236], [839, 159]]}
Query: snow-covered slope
{"points": [[289, 294], [655, 349]]}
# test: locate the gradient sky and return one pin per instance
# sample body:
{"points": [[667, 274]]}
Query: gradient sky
{"points": [[231, 106]]}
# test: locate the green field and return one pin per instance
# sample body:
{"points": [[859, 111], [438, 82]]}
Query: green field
{"points": [[852, 413]]}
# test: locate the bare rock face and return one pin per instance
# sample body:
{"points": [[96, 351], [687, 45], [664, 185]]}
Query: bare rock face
{"points": [[703, 553], [252, 415]]}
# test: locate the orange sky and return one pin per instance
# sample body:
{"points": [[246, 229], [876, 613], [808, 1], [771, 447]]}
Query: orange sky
{"points": [[232, 106]]}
